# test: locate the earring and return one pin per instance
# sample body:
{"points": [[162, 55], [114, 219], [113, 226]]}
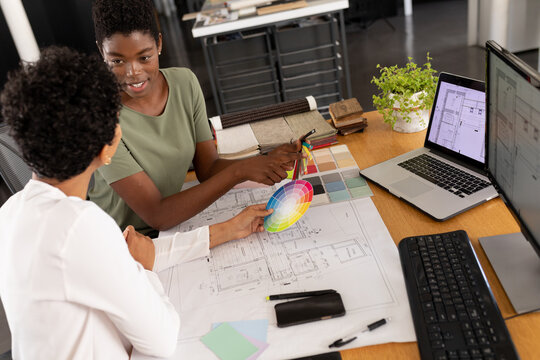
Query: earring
{"points": [[159, 53], [108, 161]]}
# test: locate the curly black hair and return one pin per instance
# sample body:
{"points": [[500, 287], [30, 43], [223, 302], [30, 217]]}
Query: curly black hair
{"points": [[62, 110], [124, 17]]}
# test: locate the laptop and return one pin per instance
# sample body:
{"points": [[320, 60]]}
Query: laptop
{"points": [[446, 176]]}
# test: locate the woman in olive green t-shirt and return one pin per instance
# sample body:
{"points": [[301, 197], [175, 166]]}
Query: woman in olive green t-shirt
{"points": [[165, 129]]}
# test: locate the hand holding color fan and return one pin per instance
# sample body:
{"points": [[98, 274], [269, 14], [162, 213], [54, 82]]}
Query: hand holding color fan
{"points": [[289, 202]]}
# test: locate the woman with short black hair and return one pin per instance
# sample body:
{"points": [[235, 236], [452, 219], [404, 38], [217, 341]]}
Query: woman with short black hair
{"points": [[165, 130], [72, 285]]}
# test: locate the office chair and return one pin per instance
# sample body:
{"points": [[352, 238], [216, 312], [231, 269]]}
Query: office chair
{"points": [[5, 336], [13, 169]]}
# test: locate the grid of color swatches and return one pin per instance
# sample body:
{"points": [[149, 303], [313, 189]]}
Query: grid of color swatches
{"points": [[334, 176]]}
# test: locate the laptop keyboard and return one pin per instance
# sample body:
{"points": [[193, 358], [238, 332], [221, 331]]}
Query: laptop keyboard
{"points": [[446, 176]]}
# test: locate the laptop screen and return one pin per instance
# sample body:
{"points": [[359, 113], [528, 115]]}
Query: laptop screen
{"points": [[458, 118]]}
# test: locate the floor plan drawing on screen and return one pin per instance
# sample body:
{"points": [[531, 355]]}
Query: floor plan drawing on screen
{"points": [[459, 120], [517, 122]]}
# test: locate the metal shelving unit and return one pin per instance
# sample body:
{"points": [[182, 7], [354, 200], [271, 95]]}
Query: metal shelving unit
{"points": [[279, 62], [244, 71]]}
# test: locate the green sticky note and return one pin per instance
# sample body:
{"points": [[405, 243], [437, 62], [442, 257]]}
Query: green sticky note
{"points": [[228, 344]]}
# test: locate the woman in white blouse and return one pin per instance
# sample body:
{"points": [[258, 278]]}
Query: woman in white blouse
{"points": [[73, 286]]}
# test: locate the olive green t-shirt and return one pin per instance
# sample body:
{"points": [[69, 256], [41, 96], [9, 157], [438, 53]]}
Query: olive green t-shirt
{"points": [[162, 146]]}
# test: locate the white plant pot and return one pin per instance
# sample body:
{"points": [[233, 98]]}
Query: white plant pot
{"points": [[418, 119]]}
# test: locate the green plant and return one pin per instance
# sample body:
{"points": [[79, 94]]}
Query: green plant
{"points": [[398, 84]]}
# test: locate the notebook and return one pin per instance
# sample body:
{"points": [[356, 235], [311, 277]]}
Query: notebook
{"points": [[446, 176]]}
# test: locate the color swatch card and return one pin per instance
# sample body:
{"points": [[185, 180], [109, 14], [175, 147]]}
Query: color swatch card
{"points": [[289, 202], [255, 331], [334, 176], [229, 344]]}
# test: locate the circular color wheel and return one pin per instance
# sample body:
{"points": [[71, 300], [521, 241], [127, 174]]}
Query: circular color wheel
{"points": [[289, 202]]}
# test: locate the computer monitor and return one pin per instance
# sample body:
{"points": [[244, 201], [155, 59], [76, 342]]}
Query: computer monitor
{"points": [[513, 165]]}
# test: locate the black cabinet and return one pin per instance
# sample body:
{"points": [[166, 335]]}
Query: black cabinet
{"points": [[243, 69], [309, 57], [279, 62]]}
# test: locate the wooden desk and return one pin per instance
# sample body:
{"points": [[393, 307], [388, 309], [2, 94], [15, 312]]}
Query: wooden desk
{"points": [[378, 143]]}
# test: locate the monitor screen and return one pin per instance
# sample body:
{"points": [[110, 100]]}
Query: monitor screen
{"points": [[513, 136]]}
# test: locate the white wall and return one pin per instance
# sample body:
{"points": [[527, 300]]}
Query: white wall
{"points": [[20, 29], [514, 24], [524, 25]]}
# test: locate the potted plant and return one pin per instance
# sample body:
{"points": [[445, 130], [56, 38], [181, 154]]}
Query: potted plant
{"points": [[406, 95]]}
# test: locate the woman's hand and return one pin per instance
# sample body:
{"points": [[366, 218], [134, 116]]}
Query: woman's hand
{"points": [[271, 168], [250, 220], [140, 247]]}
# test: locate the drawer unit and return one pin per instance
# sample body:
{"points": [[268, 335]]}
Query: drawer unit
{"points": [[307, 34], [250, 103], [244, 66], [332, 88], [305, 55], [310, 79], [244, 92], [237, 47], [301, 68], [251, 78], [244, 69], [323, 101], [309, 58], [278, 62]]}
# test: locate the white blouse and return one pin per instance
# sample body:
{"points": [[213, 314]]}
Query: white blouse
{"points": [[71, 289]]}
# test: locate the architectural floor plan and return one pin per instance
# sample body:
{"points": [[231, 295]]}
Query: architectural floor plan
{"points": [[517, 126], [343, 246], [459, 120], [328, 239]]}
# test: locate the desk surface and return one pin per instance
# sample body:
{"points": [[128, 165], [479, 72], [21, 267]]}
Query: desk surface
{"points": [[378, 143], [315, 7]]}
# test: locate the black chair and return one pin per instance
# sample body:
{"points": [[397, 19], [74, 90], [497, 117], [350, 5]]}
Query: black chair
{"points": [[5, 336], [13, 169]]}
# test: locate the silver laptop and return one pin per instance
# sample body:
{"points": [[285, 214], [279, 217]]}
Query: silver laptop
{"points": [[446, 176]]}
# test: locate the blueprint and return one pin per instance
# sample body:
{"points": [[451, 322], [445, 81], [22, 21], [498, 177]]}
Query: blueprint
{"points": [[343, 246], [329, 239], [459, 120]]}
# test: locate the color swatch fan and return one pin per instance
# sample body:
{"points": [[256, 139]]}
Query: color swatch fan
{"points": [[289, 202]]}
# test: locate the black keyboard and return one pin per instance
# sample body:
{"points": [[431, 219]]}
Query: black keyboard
{"points": [[455, 315], [446, 176]]}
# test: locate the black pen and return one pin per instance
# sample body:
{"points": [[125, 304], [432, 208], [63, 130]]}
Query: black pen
{"points": [[309, 133], [347, 339], [300, 294]]}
